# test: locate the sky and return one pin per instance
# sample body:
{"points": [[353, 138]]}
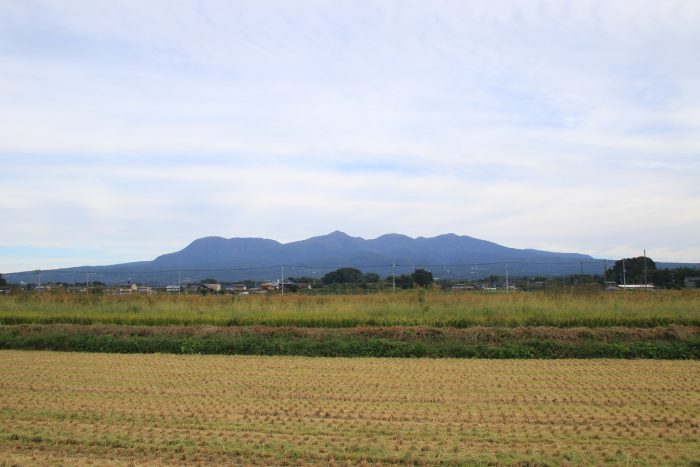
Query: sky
{"points": [[130, 128]]}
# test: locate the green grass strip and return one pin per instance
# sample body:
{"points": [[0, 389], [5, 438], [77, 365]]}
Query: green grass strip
{"points": [[345, 344]]}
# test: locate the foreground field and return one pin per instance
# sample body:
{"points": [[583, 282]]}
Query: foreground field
{"points": [[72, 408]]}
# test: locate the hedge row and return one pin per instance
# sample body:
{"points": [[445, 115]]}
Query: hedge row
{"points": [[346, 345]]}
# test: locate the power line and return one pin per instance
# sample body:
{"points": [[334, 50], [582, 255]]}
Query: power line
{"points": [[479, 265]]}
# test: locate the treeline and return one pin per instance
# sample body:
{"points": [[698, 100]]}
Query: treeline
{"points": [[643, 270], [637, 270], [354, 278]]}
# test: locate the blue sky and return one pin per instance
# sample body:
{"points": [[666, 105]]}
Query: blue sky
{"points": [[130, 128]]}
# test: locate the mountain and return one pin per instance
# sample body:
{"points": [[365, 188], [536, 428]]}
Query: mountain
{"points": [[232, 259]]}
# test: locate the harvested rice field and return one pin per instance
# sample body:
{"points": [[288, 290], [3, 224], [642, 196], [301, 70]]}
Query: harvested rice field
{"points": [[95, 409]]}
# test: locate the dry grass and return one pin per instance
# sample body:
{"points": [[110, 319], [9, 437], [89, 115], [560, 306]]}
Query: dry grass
{"points": [[410, 308], [83, 409], [473, 334]]}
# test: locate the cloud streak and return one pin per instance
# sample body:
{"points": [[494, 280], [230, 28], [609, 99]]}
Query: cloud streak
{"points": [[134, 128]]}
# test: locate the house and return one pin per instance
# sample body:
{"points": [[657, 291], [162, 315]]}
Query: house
{"points": [[146, 290], [211, 288], [172, 288], [131, 288], [289, 286], [5, 289], [268, 287], [534, 285], [691, 282], [236, 289]]}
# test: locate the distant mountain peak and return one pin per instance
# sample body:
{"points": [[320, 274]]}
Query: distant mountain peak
{"points": [[394, 236], [338, 233], [260, 258]]}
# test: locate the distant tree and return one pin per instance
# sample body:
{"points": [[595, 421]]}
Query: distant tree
{"points": [[672, 278], [422, 278], [209, 281], [332, 277], [404, 281], [312, 281], [494, 280], [2, 281], [633, 270], [302, 279], [664, 278], [343, 276], [371, 278]]}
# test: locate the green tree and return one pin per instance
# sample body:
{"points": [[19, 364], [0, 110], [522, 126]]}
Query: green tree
{"points": [[343, 276], [404, 281], [422, 278], [634, 269], [672, 278], [371, 278], [2, 281], [664, 278]]}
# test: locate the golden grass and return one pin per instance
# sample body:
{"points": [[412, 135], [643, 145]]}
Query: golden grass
{"points": [[409, 308], [83, 409]]}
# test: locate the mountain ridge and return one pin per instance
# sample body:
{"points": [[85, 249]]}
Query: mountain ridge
{"points": [[448, 255]]}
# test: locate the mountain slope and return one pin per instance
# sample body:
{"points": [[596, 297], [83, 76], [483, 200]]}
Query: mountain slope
{"points": [[449, 255]]}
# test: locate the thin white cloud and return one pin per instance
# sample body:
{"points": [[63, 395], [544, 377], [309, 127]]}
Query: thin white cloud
{"points": [[540, 124]]}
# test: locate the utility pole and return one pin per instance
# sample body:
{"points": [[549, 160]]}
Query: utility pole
{"points": [[605, 269], [282, 282], [624, 277], [393, 277], [506, 277], [645, 270], [179, 283]]}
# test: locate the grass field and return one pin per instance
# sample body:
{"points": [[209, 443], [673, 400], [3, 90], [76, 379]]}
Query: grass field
{"points": [[561, 308], [82, 409], [563, 323]]}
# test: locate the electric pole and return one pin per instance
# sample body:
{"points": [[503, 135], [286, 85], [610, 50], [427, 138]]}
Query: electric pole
{"points": [[507, 278], [605, 270], [645, 270]]}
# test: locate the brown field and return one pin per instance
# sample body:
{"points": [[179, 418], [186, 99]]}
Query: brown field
{"points": [[82, 409]]}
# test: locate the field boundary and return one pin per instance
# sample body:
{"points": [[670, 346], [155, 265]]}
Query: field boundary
{"points": [[667, 342]]}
